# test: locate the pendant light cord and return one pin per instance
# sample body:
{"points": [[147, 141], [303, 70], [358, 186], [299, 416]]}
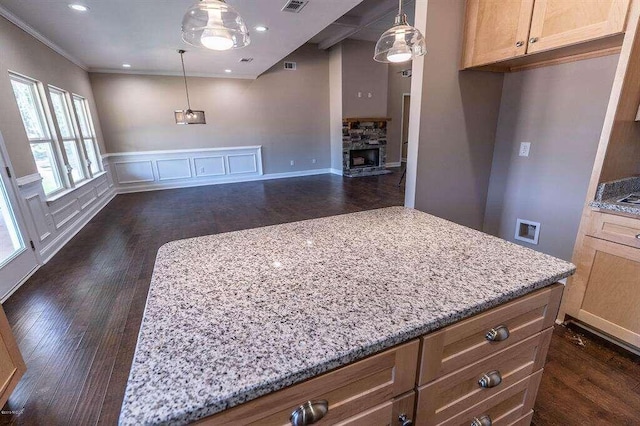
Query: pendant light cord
{"points": [[184, 74], [399, 7]]}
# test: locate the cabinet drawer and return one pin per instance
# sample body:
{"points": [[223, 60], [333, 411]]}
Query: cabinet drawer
{"points": [[384, 414], [456, 392], [463, 343], [504, 408], [619, 229], [350, 391], [524, 420]]}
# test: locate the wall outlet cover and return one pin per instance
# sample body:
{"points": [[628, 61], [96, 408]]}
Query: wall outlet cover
{"points": [[525, 147]]}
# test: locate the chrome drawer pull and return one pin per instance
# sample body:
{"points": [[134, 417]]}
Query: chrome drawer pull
{"points": [[533, 39], [497, 334], [404, 421], [490, 379], [638, 236], [481, 421], [309, 413], [519, 43]]}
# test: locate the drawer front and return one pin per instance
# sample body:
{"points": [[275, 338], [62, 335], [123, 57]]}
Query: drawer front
{"points": [[349, 390], [524, 420], [504, 408], [619, 229], [384, 414], [465, 342], [458, 391]]}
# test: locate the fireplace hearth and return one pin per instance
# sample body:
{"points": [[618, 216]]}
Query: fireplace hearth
{"points": [[364, 145]]}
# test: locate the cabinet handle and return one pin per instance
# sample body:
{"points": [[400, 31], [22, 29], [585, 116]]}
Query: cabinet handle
{"points": [[533, 39], [497, 334], [404, 421], [490, 379], [309, 413], [638, 236], [519, 43], [481, 421]]}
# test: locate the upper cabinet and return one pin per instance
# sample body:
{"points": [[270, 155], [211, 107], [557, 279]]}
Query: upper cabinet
{"points": [[512, 34]]}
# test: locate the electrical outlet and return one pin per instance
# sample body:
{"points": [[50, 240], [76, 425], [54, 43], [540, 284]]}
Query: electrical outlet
{"points": [[525, 147], [359, 94], [313, 161], [293, 163], [369, 95]]}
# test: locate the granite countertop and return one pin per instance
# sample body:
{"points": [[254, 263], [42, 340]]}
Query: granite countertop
{"points": [[609, 193], [234, 316]]}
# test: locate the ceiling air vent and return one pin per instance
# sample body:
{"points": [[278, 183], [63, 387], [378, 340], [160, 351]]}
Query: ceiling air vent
{"points": [[291, 66], [246, 59], [294, 6]]}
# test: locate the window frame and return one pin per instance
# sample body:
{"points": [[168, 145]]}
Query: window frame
{"points": [[46, 122], [86, 113], [72, 122]]}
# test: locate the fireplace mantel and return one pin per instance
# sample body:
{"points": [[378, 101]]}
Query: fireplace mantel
{"points": [[365, 119]]}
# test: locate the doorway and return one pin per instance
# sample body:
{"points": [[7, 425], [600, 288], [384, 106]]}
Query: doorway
{"points": [[404, 141], [17, 259]]}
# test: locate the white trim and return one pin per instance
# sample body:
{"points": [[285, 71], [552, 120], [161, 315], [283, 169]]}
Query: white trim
{"points": [[402, 126], [19, 283], [178, 151], [393, 164], [172, 73], [203, 182], [38, 36], [28, 179], [335, 172], [64, 237]]}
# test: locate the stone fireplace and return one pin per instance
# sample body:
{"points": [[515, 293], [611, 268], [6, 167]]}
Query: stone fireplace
{"points": [[364, 146]]}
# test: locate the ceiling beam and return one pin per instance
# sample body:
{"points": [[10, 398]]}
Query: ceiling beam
{"points": [[347, 27]]}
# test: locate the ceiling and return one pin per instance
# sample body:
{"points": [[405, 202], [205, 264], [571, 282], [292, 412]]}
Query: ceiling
{"points": [[146, 33], [366, 21]]}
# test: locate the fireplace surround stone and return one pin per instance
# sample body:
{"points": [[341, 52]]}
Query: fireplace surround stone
{"points": [[364, 146]]}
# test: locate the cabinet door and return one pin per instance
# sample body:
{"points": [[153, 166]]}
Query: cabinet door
{"points": [[557, 23], [495, 30], [609, 275], [12, 366]]}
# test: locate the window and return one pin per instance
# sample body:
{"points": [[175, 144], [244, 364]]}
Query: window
{"points": [[88, 133], [70, 144], [35, 123]]}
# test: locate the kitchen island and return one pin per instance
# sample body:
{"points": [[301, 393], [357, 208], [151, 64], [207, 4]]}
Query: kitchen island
{"points": [[236, 316]]}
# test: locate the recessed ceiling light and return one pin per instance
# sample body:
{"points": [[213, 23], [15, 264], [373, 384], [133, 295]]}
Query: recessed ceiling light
{"points": [[126, 65], [78, 7], [227, 71], [261, 28]]}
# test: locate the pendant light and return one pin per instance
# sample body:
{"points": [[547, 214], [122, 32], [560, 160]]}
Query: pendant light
{"points": [[215, 25], [400, 43], [188, 116]]}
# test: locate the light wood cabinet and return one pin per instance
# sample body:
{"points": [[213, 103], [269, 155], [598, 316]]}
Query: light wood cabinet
{"points": [[12, 365], [605, 292], [379, 389], [512, 34]]}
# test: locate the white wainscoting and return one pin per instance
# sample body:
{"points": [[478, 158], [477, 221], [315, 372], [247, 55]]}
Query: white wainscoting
{"points": [[153, 170], [51, 224]]}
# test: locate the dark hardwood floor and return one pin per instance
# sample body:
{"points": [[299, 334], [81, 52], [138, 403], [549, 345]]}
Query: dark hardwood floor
{"points": [[77, 319]]}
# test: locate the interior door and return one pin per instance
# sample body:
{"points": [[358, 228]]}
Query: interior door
{"points": [[17, 259], [558, 23]]}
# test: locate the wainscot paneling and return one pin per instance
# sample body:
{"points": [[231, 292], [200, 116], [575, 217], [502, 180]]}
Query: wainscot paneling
{"points": [[52, 223]]}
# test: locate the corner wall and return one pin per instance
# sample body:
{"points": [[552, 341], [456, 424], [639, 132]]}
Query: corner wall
{"points": [[560, 110], [454, 125], [335, 106]]}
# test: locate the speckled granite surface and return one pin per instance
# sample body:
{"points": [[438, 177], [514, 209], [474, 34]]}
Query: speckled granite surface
{"points": [[609, 193], [234, 316]]}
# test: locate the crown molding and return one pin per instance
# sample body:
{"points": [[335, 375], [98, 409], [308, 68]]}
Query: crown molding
{"points": [[38, 36], [171, 73]]}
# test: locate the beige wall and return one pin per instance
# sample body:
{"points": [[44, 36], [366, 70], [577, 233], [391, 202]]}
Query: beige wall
{"points": [[456, 129], [360, 73], [398, 86], [287, 112], [335, 95], [23, 54], [560, 110]]}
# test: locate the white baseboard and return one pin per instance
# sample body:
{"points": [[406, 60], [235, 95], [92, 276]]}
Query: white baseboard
{"points": [[336, 172], [64, 237], [19, 283], [159, 186]]}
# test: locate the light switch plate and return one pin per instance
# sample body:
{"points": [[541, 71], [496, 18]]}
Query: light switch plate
{"points": [[525, 147]]}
